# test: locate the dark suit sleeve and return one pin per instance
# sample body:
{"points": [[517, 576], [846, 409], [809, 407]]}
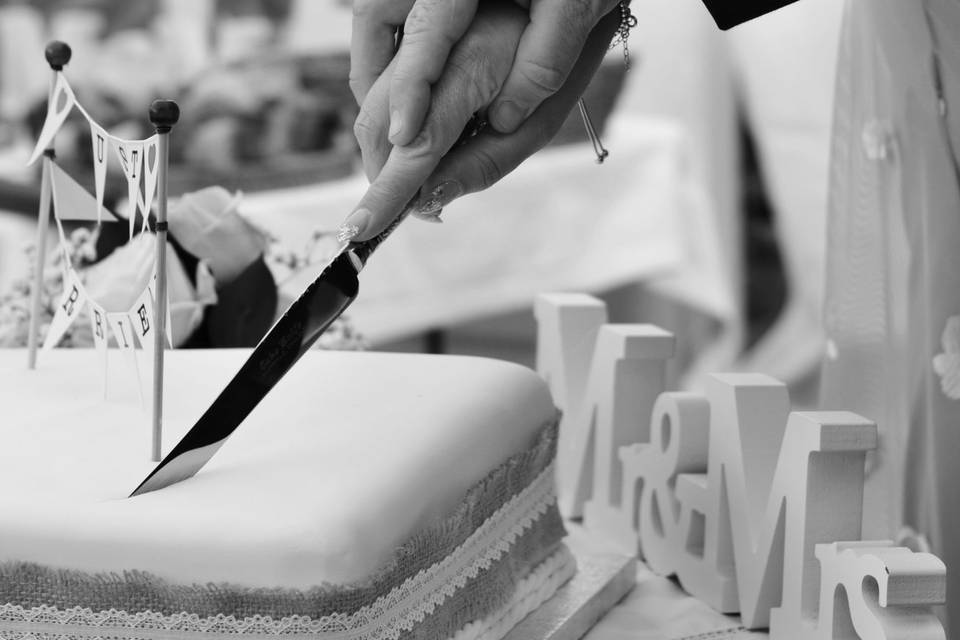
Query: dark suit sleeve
{"points": [[730, 13]]}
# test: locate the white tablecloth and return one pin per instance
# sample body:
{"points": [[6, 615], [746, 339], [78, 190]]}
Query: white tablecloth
{"points": [[658, 609], [560, 222]]}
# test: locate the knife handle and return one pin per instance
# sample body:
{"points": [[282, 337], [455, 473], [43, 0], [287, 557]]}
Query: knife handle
{"points": [[361, 251]]}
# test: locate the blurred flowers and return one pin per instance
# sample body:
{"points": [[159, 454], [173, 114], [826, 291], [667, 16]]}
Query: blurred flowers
{"points": [[947, 364], [15, 303]]}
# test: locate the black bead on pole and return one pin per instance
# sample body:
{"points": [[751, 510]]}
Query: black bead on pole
{"points": [[58, 55], [164, 114]]}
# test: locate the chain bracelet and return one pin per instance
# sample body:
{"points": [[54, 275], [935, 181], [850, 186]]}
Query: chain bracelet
{"points": [[627, 21]]}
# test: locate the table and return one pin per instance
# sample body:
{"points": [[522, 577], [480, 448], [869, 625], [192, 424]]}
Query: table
{"points": [[560, 222]]}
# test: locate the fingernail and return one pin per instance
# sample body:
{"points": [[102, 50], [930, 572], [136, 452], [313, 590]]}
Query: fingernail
{"points": [[396, 124], [432, 218], [354, 225], [507, 116], [441, 195]]}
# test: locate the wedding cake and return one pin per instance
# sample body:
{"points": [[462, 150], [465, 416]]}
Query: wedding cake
{"points": [[369, 496]]}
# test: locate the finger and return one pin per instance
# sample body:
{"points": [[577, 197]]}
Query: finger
{"points": [[490, 156], [373, 42], [431, 30], [372, 123], [472, 78], [548, 50], [371, 126]]}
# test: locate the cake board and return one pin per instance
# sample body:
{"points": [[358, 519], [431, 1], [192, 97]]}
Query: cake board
{"points": [[602, 580]]}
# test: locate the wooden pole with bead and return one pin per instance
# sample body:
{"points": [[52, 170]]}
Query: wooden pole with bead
{"points": [[163, 115], [58, 55]]}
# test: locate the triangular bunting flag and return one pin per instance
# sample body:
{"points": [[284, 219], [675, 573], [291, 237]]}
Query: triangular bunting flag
{"points": [[98, 327], [151, 169], [100, 140], [69, 307], [130, 153], [121, 330], [72, 202], [123, 334], [141, 318], [61, 102]]}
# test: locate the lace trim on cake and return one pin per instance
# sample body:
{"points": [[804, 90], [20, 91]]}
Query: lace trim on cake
{"points": [[532, 591], [385, 619]]}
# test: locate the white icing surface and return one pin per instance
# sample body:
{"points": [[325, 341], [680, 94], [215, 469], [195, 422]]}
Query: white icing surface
{"points": [[349, 456]]}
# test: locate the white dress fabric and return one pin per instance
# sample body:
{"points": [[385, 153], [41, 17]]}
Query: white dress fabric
{"points": [[893, 273]]}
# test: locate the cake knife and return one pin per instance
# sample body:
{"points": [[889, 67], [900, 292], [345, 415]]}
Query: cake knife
{"points": [[323, 301]]}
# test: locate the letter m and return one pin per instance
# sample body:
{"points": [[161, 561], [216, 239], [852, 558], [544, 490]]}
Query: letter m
{"points": [[783, 483]]}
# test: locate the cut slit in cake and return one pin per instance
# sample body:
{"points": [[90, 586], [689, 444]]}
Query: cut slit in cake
{"points": [[368, 496]]}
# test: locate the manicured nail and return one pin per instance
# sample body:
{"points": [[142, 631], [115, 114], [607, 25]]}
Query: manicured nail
{"points": [[347, 232], [507, 116], [432, 218], [354, 225], [396, 124], [443, 194]]}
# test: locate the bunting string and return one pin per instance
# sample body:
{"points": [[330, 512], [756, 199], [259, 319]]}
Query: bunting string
{"points": [[137, 159]]}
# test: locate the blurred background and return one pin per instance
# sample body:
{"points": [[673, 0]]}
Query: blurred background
{"points": [[708, 218]]}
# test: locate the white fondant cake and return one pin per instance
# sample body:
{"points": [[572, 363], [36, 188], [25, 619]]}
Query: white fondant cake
{"points": [[368, 496]]}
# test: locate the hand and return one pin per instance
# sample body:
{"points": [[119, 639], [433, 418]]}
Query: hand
{"points": [[430, 29], [550, 46], [473, 75]]}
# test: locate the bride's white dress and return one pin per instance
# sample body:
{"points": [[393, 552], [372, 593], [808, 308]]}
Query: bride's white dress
{"points": [[892, 311]]}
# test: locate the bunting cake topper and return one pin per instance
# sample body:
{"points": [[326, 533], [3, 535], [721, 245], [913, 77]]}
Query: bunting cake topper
{"points": [[144, 164]]}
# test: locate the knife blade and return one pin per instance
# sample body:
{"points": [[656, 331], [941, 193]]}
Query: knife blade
{"points": [[322, 302]]}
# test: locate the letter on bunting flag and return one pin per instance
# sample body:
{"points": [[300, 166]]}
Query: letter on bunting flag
{"points": [[98, 327], [130, 153], [69, 307], [100, 141], [141, 317]]}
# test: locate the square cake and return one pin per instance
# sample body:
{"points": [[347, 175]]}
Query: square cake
{"points": [[369, 496]]}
